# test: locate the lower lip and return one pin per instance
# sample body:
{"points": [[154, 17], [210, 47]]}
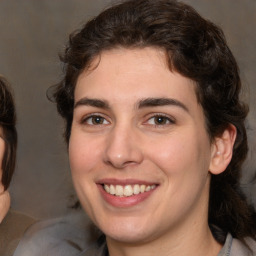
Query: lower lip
{"points": [[124, 202]]}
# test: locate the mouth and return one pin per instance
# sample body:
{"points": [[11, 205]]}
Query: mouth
{"points": [[126, 193], [127, 190]]}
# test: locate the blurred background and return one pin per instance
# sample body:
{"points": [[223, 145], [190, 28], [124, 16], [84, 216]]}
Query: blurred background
{"points": [[32, 33]]}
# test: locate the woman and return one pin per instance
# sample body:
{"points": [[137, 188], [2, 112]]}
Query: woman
{"points": [[155, 132], [12, 224]]}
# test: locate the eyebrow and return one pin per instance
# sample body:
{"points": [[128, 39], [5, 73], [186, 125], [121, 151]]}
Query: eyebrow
{"points": [[93, 103], [144, 103], [158, 102]]}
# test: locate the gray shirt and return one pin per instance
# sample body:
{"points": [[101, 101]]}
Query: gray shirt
{"points": [[71, 236], [232, 247]]}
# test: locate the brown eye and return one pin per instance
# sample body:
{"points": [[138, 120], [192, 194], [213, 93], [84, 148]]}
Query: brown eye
{"points": [[160, 120], [95, 120]]}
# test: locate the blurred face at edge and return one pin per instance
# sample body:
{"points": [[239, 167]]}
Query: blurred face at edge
{"points": [[2, 148]]}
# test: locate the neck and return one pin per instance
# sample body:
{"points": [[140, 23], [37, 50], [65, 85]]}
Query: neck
{"points": [[5, 202]]}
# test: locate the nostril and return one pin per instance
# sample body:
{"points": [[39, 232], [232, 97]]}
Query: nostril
{"points": [[120, 151]]}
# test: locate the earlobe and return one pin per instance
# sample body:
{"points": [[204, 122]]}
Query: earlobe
{"points": [[222, 150]]}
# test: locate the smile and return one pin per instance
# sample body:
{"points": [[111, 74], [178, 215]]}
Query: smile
{"points": [[127, 190]]}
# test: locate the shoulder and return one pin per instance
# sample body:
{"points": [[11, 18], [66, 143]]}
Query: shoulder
{"points": [[68, 235], [235, 247], [11, 230], [98, 248], [239, 248]]}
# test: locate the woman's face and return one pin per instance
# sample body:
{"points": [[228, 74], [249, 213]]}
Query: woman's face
{"points": [[2, 148], [139, 151]]}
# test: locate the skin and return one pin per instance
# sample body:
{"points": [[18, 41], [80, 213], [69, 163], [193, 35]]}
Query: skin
{"points": [[124, 141], [4, 195], [2, 147]]}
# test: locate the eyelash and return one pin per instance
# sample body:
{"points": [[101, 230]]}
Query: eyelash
{"points": [[164, 117], [88, 120]]}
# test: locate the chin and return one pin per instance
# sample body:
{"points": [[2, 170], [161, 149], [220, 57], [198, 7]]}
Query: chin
{"points": [[128, 233], [132, 238]]}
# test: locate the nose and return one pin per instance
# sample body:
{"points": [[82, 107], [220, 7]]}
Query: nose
{"points": [[123, 148]]}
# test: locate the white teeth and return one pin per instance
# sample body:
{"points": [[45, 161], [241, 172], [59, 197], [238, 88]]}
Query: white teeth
{"points": [[148, 188], [112, 190], [136, 189], [119, 190], [127, 190], [106, 187]]}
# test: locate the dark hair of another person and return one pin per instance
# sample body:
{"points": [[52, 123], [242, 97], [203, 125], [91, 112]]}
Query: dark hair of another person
{"points": [[7, 122], [196, 48]]}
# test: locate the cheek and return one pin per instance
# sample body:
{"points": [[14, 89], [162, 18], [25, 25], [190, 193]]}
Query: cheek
{"points": [[172, 153], [83, 154], [184, 161], [2, 147], [182, 155], [84, 157]]}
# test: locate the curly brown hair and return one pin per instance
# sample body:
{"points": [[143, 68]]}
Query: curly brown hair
{"points": [[197, 49], [7, 122]]}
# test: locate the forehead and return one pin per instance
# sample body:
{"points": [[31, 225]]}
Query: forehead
{"points": [[133, 71]]}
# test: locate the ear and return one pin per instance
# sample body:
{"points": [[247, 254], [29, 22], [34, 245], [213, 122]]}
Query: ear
{"points": [[222, 150]]}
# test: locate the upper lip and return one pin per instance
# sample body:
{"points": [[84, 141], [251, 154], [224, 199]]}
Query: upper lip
{"points": [[124, 182]]}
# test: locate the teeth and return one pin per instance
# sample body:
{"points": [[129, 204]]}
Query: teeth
{"points": [[136, 189], [112, 190], [119, 190], [127, 190], [148, 188], [106, 187]]}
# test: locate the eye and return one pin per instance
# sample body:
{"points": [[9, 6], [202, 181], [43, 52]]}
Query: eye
{"points": [[95, 120], [160, 120]]}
